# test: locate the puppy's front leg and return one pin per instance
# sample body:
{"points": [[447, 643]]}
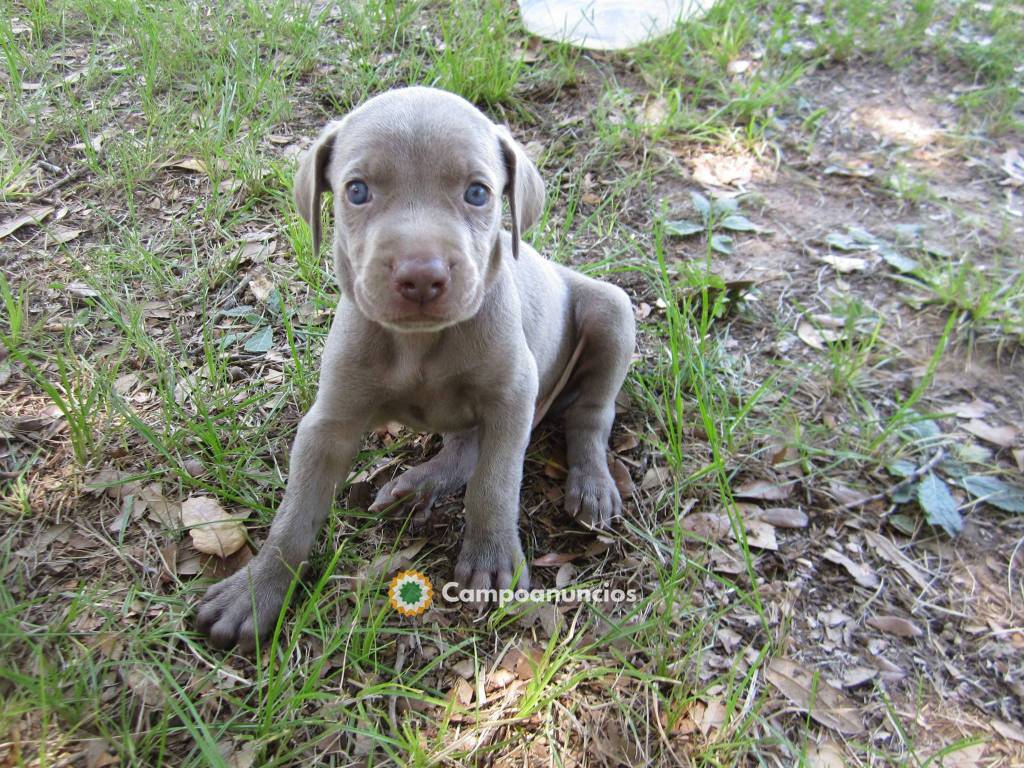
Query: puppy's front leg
{"points": [[246, 605], [491, 556]]}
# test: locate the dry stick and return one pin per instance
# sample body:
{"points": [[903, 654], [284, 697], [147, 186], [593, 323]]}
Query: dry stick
{"points": [[918, 473], [53, 187]]}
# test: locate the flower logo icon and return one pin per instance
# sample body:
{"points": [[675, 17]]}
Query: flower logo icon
{"points": [[410, 593]]}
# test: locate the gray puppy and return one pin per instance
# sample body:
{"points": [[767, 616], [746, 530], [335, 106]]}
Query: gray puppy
{"points": [[445, 323]]}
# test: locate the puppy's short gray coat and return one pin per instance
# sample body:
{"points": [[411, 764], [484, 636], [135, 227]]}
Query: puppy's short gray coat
{"points": [[445, 323]]}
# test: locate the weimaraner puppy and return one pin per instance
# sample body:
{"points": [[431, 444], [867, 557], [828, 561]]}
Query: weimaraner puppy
{"points": [[445, 323]]}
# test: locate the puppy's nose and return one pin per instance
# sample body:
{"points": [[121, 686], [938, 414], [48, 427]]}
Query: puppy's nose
{"points": [[421, 278]]}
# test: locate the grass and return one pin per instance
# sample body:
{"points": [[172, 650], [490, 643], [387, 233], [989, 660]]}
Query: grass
{"points": [[183, 121]]}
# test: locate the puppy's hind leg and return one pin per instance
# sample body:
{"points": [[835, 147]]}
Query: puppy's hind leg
{"points": [[604, 319], [416, 489]]}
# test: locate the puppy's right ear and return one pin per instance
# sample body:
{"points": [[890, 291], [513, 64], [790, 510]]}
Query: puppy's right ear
{"points": [[311, 180]]}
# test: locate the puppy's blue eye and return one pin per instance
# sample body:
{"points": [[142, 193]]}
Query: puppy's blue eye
{"points": [[477, 194], [358, 193]]}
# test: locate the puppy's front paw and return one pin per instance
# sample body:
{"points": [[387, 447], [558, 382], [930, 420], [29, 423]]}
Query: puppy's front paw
{"points": [[242, 607], [592, 497], [492, 562]]}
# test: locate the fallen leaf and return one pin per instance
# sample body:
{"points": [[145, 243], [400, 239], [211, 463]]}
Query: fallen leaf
{"points": [[33, 216], [845, 264], [823, 702], [623, 481], [554, 559], [895, 625], [213, 530], [1008, 730], [146, 686], [565, 576], [976, 409], [891, 553], [939, 506], [761, 535], [825, 755], [61, 235], [1001, 436], [782, 517], [764, 490], [389, 562], [261, 287], [855, 676], [82, 290], [861, 573]]}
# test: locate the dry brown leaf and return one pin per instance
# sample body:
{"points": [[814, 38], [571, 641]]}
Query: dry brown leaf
{"points": [[565, 575], [82, 290], [33, 216], [1001, 436], [860, 573], [782, 517], [707, 525], [823, 702], [976, 409], [895, 625], [1008, 730], [855, 676], [145, 685], [60, 235], [890, 552], [213, 530], [261, 287], [655, 477], [389, 562], [825, 755], [764, 490], [761, 535], [622, 479], [555, 559]]}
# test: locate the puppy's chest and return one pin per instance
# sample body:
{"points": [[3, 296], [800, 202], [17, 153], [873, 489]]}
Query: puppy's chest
{"points": [[430, 400]]}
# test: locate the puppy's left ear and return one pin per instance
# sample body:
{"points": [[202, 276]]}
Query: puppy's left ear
{"points": [[311, 180], [523, 186]]}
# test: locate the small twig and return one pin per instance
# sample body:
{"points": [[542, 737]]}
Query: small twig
{"points": [[63, 181], [906, 482]]}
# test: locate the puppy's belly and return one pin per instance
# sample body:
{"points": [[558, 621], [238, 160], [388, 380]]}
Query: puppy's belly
{"points": [[430, 414]]}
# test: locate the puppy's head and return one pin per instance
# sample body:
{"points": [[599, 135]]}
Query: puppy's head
{"points": [[418, 176]]}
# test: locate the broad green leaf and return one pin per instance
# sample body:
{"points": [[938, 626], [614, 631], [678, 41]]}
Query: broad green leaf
{"points": [[939, 505], [992, 490], [261, 341], [897, 260], [722, 244], [902, 467], [724, 206], [239, 311], [683, 228], [843, 242], [924, 429], [701, 204], [738, 223], [904, 494], [862, 236]]}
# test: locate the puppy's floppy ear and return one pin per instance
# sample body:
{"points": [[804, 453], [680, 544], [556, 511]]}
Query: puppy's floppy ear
{"points": [[311, 180], [523, 186]]}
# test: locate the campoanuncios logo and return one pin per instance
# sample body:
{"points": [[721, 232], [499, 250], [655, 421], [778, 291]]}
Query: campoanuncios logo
{"points": [[410, 593]]}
